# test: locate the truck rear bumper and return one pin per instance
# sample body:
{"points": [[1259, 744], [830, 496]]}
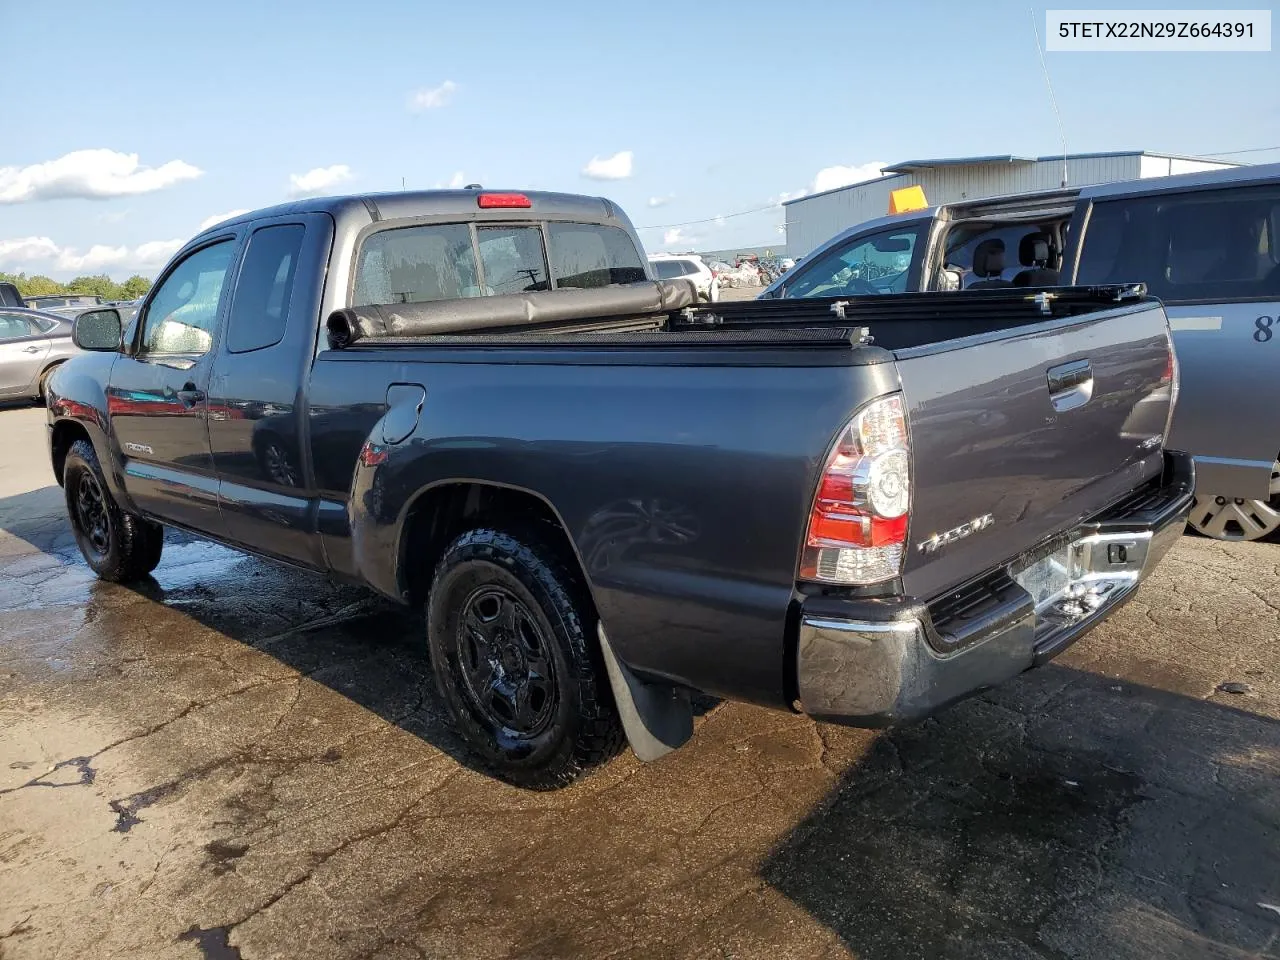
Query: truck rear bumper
{"points": [[879, 662]]}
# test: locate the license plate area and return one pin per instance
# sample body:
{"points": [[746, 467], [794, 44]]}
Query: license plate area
{"points": [[1080, 577]]}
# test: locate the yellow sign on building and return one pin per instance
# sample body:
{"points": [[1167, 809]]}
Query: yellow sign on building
{"points": [[906, 199]]}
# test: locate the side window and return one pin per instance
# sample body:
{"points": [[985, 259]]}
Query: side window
{"points": [[181, 315], [1208, 245], [260, 302], [667, 269], [416, 265], [13, 327], [512, 259], [876, 264], [587, 255]]}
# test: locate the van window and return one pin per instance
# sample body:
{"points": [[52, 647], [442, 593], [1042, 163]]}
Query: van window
{"points": [[668, 269], [260, 302], [876, 264], [415, 265], [1214, 245], [587, 255]]}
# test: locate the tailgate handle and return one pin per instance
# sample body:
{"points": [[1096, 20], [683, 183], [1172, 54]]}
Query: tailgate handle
{"points": [[1070, 384]]}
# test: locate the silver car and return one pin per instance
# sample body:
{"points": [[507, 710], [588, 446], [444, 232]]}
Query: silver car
{"points": [[32, 343], [1207, 244]]}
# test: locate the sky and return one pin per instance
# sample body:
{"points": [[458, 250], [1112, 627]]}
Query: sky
{"points": [[126, 126]]}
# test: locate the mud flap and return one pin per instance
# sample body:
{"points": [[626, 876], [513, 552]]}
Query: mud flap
{"points": [[656, 717]]}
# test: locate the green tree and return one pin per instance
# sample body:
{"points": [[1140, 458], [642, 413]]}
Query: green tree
{"points": [[135, 287], [100, 285]]}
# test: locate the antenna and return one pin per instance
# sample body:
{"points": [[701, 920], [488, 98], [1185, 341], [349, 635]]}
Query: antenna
{"points": [[1052, 99], [402, 184]]}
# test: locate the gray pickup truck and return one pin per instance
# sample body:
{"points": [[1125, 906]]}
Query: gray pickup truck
{"points": [[607, 497]]}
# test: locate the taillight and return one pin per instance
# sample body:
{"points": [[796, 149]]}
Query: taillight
{"points": [[857, 531], [490, 201]]}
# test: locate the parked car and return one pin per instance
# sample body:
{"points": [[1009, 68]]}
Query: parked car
{"points": [[605, 498], [32, 344], [687, 266], [1207, 244], [55, 300], [10, 297]]}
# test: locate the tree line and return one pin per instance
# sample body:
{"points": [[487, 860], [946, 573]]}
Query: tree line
{"points": [[99, 285]]}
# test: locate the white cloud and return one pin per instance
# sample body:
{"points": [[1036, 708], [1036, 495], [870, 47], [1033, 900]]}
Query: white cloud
{"points": [[432, 98], [90, 174], [617, 167], [24, 249], [661, 201], [672, 236], [719, 221], [457, 181], [156, 253], [208, 222], [829, 178], [317, 181], [44, 253]]}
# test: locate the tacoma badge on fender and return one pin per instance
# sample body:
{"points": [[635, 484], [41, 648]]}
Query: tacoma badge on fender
{"points": [[939, 540]]}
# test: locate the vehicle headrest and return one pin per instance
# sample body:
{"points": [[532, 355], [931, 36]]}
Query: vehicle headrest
{"points": [[988, 258], [1034, 249], [513, 311]]}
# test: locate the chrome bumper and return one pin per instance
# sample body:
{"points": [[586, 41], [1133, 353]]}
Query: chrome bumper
{"points": [[878, 662]]}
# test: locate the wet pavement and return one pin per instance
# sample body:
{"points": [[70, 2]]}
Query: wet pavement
{"points": [[240, 760]]}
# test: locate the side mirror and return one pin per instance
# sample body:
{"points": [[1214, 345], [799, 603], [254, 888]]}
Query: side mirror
{"points": [[97, 330]]}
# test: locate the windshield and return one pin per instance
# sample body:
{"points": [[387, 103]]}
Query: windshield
{"points": [[865, 265]]}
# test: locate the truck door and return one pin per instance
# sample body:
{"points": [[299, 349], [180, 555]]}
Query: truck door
{"points": [[266, 490], [157, 397]]}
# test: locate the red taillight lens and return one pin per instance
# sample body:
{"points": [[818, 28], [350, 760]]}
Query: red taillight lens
{"points": [[857, 529], [490, 201]]}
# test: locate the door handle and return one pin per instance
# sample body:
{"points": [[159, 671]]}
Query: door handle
{"points": [[189, 396], [1070, 384], [31, 349]]}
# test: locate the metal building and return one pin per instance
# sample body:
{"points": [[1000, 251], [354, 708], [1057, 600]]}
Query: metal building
{"points": [[819, 216]]}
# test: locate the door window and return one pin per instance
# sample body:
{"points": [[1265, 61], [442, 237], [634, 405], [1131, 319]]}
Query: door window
{"points": [[260, 303], [183, 312], [1215, 245], [14, 327], [876, 264]]}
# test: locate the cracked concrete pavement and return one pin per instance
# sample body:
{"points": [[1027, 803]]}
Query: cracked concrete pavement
{"points": [[244, 761]]}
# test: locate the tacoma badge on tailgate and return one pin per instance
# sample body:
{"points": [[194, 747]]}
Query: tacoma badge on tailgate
{"points": [[955, 533]]}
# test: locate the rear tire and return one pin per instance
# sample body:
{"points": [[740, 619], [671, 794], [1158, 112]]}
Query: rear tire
{"points": [[511, 633], [117, 546]]}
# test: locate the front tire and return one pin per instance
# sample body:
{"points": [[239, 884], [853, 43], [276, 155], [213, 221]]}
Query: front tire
{"points": [[510, 628], [118, 546]]}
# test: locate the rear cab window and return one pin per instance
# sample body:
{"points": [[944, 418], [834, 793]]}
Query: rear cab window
{"points": [[1206, 245], [423, 263]]}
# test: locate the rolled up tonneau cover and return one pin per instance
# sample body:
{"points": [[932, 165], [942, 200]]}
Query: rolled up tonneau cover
{"points": [[525, 310]]}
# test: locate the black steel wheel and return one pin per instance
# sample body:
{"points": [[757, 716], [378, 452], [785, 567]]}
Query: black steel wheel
{"points": [[512, 636], [508, 673], [117, 545]]}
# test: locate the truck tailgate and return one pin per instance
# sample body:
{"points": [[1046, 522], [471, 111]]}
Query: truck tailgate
{"points": [[1017, 438]]}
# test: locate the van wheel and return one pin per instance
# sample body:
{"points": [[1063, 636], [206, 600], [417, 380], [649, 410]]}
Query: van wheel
{"points": [[510, 629], [118, 546], [1235, 518]]}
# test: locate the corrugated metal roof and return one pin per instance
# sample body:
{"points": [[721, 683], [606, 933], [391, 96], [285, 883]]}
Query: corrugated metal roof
{"points": [[909, 165]]}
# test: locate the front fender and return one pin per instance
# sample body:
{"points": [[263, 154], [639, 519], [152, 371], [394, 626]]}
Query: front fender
{"points": [[77, 393]]}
